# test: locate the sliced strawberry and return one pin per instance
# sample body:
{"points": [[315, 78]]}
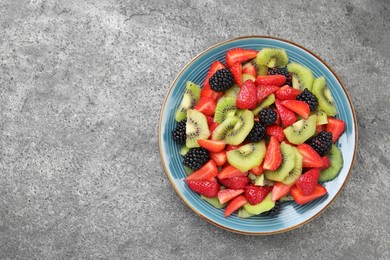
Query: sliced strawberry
{"points": [[248, 68], [207, 172], [239, 55], [264, 91], [219, 158], [275, 131], [206, 106], [277, 122], [235, 183], [236, 71], [287, 93], [247, 96], [211, 145], [258, 170], [280, 190], [230, 147], [230, 172], [208, 189], [277, 80], [336, 127], [326, 162], [299, 198], [206, 89], [307, 182], [287, 116], [311, 159], [256, 194], [273, 157], [299, 107], [210, 120], [320, 128], [235, 204], [228, 194]]}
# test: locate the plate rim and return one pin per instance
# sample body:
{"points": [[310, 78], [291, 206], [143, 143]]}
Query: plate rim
{"points": [[165, 165]]}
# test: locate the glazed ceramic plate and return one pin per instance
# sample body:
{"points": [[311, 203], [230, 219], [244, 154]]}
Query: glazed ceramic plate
{"points": [[291, 214]]}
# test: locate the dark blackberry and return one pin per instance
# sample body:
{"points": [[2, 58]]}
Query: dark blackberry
{"points": [[179, 133], [221, 80], [281, 71], [322, 142], [196, 158], [309, 98], [267, 116], [275, 210], [257, 133]]}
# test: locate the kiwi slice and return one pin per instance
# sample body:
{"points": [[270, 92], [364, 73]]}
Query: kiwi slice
{"points": [[263, 104], [286, 198], [302, 76], [322, 118], [272, 58], [242, 128], [301, 130], [294, 174], [245, 77], [262, 70], [226, 107], [196, 128], [262, 181], [336, 162], [233, 91], [266, 205], [324, 96], [252, 176], [288, 163], [188, 170], [247, 156], [184, 150], [223, 129], [242, 213], [190, 98], [213, 202]]}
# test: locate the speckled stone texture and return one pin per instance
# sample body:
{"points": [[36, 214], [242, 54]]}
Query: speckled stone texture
{"points": [[81, 87]]}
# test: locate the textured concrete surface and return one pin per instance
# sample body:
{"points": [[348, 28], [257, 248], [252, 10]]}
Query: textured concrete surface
{"points": [[81, 87]]}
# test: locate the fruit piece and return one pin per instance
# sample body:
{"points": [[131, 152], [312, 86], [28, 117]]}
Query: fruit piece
{"points": [[247, 156], [223, 129], [326, 162], [274, 80], [256, 194], [263, 206], [325, 99], [222, 80], [242, 128], [262, 70], [267, 116], [322, 118], [301, 199], [257, 133], [196, 128], [188, 170], [287, 93], [226, 107], [233, 91], [208, 189], [248, 68], [277, 121], [301, 130], [307, 182], [336, 127], [275, 210], [212, 146], [206, 106], [195, 158], [242, 213], [230, 171], [264, 103], [272, 57], [206, 89], [262, 181], [235, 183], [299, 107], [234, 205], [264, 91], [287, 116], [252, 177], [302, 76], [228, 194], [179, 133], [236, 71], [184, 150], [213, 202], [190, 98], [311, 159], [309, 98], [232, 147], [288, 163], [239, 55], [294, 174], [207, 172], [320, 128], [336, 162], [257, 170], [321, 143], [273, 157], [246, 77], [282, 71], [286, 198], [219, 158], [213, 126], [280, 190], [247, 96], [275, 131]]}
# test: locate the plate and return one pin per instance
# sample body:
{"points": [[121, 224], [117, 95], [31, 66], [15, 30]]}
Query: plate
{"points": [[291, 215]]}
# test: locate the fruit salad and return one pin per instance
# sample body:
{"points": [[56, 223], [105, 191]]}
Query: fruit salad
{"points": [[259, 132]]}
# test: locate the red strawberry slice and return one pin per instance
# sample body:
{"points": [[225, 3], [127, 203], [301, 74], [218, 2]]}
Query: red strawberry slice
{"points": [[248, 68], [287, 116], [230, 172], [207, 172], [236, 71], [273, 157], [287, 93], [208, 189], [307, 182], [264, 91], [301, 199], [235, 204], [258, 170], [280, 190], [311, 159], [320, 128], [247, 96], [326, 162], [299, 107], [256, 194], [219, 158], [277, 80], [206, 105], [211, 145], [235, 183], [275, 131], [277, 121], [336, 127], [230, 147], [206, 90], [210, 120], [239, 55], [228, 194]]}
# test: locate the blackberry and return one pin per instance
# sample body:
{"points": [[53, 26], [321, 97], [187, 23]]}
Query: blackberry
{"points": [[221, 80], [309, 98], [179, 133], [257, 133], [322, 142], [275, 210], [196, 158], [267, 116], [281, 71]]}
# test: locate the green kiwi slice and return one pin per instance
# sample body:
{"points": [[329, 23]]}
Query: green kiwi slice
{"points": [[188, 170], [262, 181], [322, 118], [288, 163], [262, 70], [301, 130], [196, 128], [213, 202], [223, 129], [242, 213], [324, 96], [190, 98], [263, 104], [184, 150], [336, 162], [302, 76], [242, 128], [245, 77], [233, 91], [272, 58], [226, 107], [247, 156], [266, 205], [286, 198], [294, 174]]}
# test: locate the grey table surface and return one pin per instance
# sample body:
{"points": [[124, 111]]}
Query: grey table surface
{"points": [[81, 87]]}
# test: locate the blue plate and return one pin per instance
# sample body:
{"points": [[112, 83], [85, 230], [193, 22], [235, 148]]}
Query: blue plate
{"points": [[291, 215]]}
